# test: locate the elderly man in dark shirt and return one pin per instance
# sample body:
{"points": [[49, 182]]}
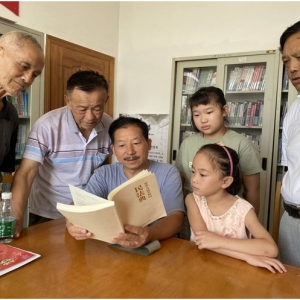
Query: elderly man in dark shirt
{"points": [[21, 61], [8, 136]]}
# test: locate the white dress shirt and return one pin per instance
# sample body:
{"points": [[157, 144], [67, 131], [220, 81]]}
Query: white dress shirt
{"points": [[291, 154]]}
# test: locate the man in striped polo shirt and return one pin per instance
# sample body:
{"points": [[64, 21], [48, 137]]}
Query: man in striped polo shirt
{"points": [[64, 147]]}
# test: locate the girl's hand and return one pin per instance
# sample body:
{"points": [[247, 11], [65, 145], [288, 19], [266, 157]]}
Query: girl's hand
{"points": [[272, 264], [207, 240]]}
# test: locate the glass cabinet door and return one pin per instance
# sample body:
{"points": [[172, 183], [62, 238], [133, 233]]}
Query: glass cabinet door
{"points": [[249, 82], [190, 77], [249, 85]]}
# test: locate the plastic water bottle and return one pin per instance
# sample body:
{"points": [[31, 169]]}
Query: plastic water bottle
{"points": [[7, 218]]}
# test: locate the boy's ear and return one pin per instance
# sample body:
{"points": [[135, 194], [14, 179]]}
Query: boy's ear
{"points": [[227, 181]]}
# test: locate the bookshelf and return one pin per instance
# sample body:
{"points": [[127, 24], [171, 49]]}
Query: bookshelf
{"points": [[286, 94], [247, 80], [30, 104]]}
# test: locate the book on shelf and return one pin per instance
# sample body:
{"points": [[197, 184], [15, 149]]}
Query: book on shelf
{"points": [[242, 80], [209, 77], [24, 96], [213, 79], [232, 78], [254, 77], [248, 78], [20, 103], [12, 258], [252, 114], [21, 139], [262, 82], [184, 107], [136, 202], [255, 139], [261, 114], [257, 112], [279, 152], [285, 81], [246, 113], [237, 79], [283, 110], [241, 114], [190, 80], [202, 78], [260, 77]]}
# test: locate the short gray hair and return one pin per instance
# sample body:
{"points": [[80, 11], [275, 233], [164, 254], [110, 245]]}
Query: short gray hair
{"points": [[17, 38]]}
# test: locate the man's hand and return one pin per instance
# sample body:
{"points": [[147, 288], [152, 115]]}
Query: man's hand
{"points": [[133, 237], [77, 232], [19, 228]]}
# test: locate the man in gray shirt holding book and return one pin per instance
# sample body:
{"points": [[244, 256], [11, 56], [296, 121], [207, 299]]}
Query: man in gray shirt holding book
{"points": [[130, 144]]}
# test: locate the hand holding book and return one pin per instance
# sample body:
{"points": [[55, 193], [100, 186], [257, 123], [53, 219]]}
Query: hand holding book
{"points": [[136, 202]]}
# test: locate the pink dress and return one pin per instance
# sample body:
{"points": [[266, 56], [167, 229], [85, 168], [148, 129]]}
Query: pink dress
{"points": [[231, 224]]}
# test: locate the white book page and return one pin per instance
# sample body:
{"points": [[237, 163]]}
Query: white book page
{"points": [[81, 197]]}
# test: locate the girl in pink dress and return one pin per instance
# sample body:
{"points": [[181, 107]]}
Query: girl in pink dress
{"points": [[221, 221]]}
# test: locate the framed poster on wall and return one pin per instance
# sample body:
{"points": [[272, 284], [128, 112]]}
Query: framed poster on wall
{"points": [[158, 125]]}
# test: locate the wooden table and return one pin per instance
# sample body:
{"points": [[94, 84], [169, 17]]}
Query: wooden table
{"points": [[90, 269]]}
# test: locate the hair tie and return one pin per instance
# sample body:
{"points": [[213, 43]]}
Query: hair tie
{"points": [[230, 160]]}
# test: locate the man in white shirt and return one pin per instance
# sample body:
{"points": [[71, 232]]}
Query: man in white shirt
{"points": [[289, 231]]}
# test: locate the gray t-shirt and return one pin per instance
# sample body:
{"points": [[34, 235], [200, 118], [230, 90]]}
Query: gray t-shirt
{"points": [[250, 161], [108, 177]]}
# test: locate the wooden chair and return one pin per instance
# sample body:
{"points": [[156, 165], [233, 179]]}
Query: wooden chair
{"points": [[277, 211]]}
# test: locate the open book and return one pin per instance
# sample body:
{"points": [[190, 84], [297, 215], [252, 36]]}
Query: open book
{"points": [[136, 202], [12, 258]]}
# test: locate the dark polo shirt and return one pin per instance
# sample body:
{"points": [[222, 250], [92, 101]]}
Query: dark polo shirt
{"points": [[8, 136]]}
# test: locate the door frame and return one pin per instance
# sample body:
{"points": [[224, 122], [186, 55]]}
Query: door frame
{"points": [[62, 43]]}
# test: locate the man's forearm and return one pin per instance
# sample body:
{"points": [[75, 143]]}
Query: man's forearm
{"points": [[166, 227], [20, 191]]}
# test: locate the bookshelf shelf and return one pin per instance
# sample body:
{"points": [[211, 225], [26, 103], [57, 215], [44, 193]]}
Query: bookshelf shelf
{"points": [[245, 127], [245, 92]]}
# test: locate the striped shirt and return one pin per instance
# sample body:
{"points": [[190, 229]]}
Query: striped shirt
{"points": [[65, 156]]}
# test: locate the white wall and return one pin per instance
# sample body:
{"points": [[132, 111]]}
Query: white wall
{"points": [[152, 33], [94, 25], [145, 36]]}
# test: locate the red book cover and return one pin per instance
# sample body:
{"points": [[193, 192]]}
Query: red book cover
{"points": [[261, 68], [252, 114], [254, 77], [12, 258]]}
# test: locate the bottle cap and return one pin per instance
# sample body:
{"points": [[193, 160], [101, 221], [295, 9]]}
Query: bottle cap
{"points": [[6, 195]]}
